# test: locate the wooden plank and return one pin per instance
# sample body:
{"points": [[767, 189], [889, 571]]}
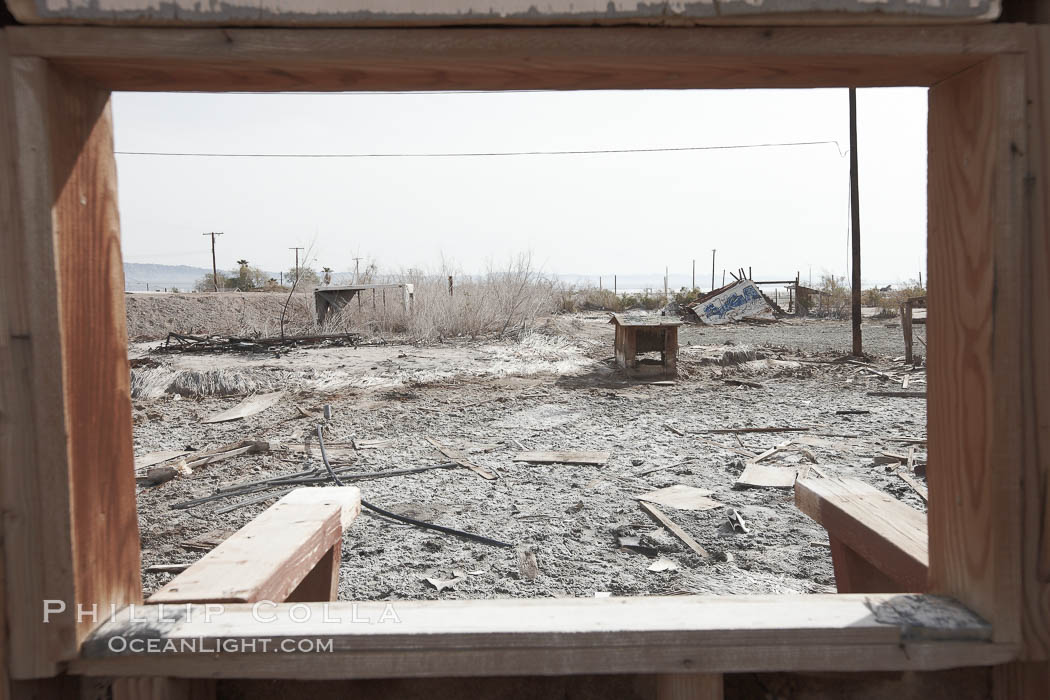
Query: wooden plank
{"points": [[1035, 436], [882, 530], [69, 372], [248, 407], [915, 485], [761, 476], [464, 58], [163, 689], [979, 274], [460, 459], [356, 13], [578, 457], [152, 458], [681, 497], [689, 686], [674, 529], [855, 574], [271, 556], [562, 636]]}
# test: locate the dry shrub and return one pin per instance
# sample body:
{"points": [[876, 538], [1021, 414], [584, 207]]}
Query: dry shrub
{"points": [[502, 300]]}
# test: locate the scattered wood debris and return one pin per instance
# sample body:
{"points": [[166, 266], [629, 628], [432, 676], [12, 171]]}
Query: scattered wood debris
{"points": [[900, 394], [148, 460], [772, 429], [208, 541], [681, 497], [683, 536], [166, 569], [761, 476], [595, 458], [458, 576], [744, 383], [248, 407], [460, 459], [919, 488]]}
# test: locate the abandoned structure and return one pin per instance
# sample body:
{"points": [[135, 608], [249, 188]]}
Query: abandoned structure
{"points": [[655, 335], [734, 302], [334, 299], [909, 319], [982, 620]]}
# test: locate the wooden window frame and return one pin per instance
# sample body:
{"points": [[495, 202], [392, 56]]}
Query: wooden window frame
{"points": [[70, 525]]}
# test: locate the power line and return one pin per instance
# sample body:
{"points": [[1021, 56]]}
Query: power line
{"points": [[487, 154]]}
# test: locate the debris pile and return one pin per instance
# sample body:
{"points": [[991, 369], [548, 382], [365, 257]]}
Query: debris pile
{"points": [[738, 301]]}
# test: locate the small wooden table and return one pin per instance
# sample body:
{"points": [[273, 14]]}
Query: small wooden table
{"points": [[646, 334]]}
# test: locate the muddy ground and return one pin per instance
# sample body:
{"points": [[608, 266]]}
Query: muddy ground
{"points": [[554, 389]]}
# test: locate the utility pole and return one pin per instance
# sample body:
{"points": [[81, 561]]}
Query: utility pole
{"points": [[713, 271], [296, 264], [694, 273], [357, 269], [214, 271], [854, 206], [665, 285]]}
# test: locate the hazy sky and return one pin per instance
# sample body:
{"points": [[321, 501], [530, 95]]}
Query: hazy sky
{"points": [[777, 210]]}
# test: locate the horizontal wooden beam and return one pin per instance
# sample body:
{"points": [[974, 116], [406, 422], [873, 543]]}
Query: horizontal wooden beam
{"points": [[548, 637], [514, 58]]}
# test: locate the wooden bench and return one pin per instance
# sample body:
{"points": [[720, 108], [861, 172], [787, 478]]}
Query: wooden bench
{"points": [[289, 553], [878, 544]]}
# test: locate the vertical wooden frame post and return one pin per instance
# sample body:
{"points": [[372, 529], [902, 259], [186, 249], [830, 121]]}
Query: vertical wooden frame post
{"points": [[979, 344], [70, 526]]}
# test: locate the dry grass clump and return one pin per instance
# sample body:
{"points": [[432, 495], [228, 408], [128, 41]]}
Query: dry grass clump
{"points": [[497, 303]]}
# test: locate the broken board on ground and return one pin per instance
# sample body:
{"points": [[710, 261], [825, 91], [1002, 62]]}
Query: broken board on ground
{"points": [[761, 476], [681, 497], [563, 457], [249, 407]]}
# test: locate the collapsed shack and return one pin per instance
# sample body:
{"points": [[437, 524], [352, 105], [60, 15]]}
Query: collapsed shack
{"points": [[738, 301]]}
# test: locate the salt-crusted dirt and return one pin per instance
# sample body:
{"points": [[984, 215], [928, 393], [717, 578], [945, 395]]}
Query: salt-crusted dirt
{"points": [[554, 389]]}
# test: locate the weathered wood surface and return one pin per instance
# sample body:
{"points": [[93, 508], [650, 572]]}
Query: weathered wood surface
{"points": [[67, 466], [982, 376], [1035, 620], [256, 403], [882, 530], [270, 557], [477, 59], [674, 528], [520, 12], [561, 636]]}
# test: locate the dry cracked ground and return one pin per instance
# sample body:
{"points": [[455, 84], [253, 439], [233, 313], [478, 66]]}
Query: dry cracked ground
{"points": [[556, 388]]}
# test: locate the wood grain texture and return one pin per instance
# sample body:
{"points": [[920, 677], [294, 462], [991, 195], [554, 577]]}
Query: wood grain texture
{"points": [[696, 634], [37, 539], [95, 375], [68, 483], [160, 688], [1036, 456], [271, 556], [508, 58], [882, 530], [977, 278], [689, 686]]}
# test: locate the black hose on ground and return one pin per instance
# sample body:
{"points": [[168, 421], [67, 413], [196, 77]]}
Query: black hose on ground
{"points": [[402, 518]]}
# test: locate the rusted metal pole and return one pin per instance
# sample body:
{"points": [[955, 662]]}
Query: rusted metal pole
{"points": [[854, 199]]}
